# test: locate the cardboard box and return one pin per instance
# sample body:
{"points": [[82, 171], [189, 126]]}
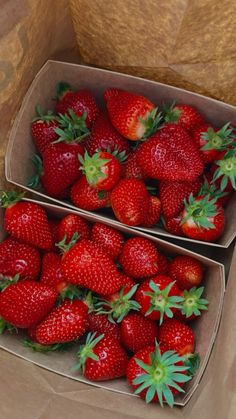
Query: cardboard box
{"points": [[205, 329], [19, 166]]}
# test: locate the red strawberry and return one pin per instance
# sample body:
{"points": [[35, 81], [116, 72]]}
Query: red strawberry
{"points": [[203, 219], [154, 212], [158, 298], [186, 271], [176, 336], [43, 129], [155, 376], [170, 154], [71, 224], [26, 221], [130, 208], [172, 195], [100, 324], [105, 138], [172, 225], [131, 114], [163, 263], [185, 116], [26, 303], [108, 239], [86, 265], [139, 258], [102, 358], [19, 258], [137, 332], [88, 198], [51, 271], [53, 225], [192, 305], [65, 323], [102, 170], [132, 169]]}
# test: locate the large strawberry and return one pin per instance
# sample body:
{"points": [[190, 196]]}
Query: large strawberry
{"points": [[133, 115], [174, 335], [88, 198], [108, 238], [132, 168], [19, 258], [71, 224], [170, 154], [26, 303], [102, 358], [186, 116], [186, 271], [26, 221], [43, 129], [137, 332]]}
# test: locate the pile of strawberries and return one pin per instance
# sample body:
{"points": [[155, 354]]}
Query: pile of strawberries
{"points": [[126, 306], [171, 167]]}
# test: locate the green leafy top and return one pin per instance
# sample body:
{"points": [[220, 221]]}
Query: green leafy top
{"points": [[151, 122], [71, 127], [86, 351], [62, 88], [92, 167], [10, 197], [218, 140], [226, 169], [42, 116], [193, 304], [201, 210]]}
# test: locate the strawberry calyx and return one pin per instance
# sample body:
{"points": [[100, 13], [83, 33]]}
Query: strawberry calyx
{"points": [[5, 281], [210, 189], [62, 89], [172, 114], [34, 181], [117, 309], [86, 350], [217, 140], [71, 292], [37, 347], [9, 198], [151, 122], [92, 167], [41, 116], [161, 301], [192, 303], [192, 361], [200, 210], [63, 246], [226, 169], [164, 373], [7, 326], [71, 128]]}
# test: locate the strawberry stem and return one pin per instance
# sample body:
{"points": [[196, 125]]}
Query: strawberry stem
{"points": [[49, 116], [63, 246], [61, 89], [86, 351], [200, 211], [92, 167], [193, 303], [10, 198]]}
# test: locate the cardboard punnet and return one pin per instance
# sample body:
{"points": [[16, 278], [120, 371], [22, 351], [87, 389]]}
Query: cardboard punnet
{"points": [[205, 329], [19, 165]]}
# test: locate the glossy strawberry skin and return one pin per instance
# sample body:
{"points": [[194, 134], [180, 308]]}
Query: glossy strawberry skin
{"points": [[28, 222], [154, 212], [88, 198], [186, 271], [170, 154], [99, 323], [172, 225], [43, 133], [108, 239], [132, 169], [71, 224], [19, 258], [137, 332], [51, 273], [65, 323], [177, 336], [26, 303]]}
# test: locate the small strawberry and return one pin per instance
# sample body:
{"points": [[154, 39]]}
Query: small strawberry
{"points": [[137, 332], [154, 212], [102, 358], [176, 336], [192, 305], [130, 208], [19, 258], [26, 221], [100, 324], [88, 198], [71, 224], [43, 129], [186, 271], [108, 238], [186, 116], [133, 115], [132, 169]]}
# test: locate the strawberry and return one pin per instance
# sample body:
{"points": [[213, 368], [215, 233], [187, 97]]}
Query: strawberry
{"points": [[172, 225], [224, 169], [65, 323], [71, 224], [88, 198], [154, 212], [104, 137], [158, 297], [86, 265], [192, 305], [132, 169], [130, 208], [139, 258], [212, 188], [170, 154], [43, 129], [108, 239], [133, 115], [172, 195], [100, 324], [102, 358], [203, 219], [163, 263], [53, 226], [155, 376], [186, 116], [174, 335], [102, 170], [80, 102], [26, 303], [19, 258], [26, 221], [51, 273], [137, 332], [186, 271]]}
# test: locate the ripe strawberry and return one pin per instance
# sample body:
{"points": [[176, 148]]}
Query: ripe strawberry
{"points": [[100, 324], [102, 170], [26, 303], [132, 169], [176, 336], [86, 265], [53, 226], [65, 323], [71, 224], [158, 297], [43, 129], [139, 258], [170, 154], [172, 195], [185, 116], [186, 271], [154, 212], [203, 219], [81, 102], [19, 258], [88, 198], [172, 225], [102, 358], [163, 263], [51, 273], [26, 221], [104, 137], [192, 305], [133, 115], [130, 208], [224, 169], [108, 239], [155, 376], [137, 332]]}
